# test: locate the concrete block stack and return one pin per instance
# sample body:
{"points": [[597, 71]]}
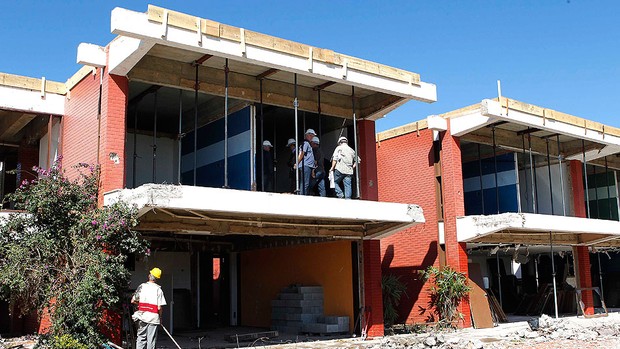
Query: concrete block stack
{"points": [[295, 306], [299, 309]]}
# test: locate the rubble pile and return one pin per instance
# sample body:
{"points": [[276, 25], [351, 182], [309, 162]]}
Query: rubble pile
{"points": [[427, 341]]}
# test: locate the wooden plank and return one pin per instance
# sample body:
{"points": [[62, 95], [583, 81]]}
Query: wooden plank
{"points": [[232, 33], [34, 84], [480, 308], [78, 76]]}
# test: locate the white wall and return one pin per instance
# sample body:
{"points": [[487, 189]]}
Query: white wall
{"points": [[43, 145], [167, 160]]}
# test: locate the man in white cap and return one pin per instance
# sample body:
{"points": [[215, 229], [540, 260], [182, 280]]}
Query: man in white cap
{"points": [[266, 181], [150, 298], [343, 164], [306, 162], [318, 173], [292, 165]]}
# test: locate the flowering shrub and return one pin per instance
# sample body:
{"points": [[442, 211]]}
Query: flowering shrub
{"points": [[67, 255]]}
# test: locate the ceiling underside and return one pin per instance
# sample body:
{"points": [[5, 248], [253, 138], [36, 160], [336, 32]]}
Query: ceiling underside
{"points": [[16, 127]]}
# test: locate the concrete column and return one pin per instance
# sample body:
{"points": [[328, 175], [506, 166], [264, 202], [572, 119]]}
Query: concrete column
{"points": [[373, 297], [454, 206], [581, 255]]}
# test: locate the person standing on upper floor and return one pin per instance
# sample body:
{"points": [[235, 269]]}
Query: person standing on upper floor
{"points": [[343, 165], [305, 162], [318, 173], [267, 167], [292, 165]]}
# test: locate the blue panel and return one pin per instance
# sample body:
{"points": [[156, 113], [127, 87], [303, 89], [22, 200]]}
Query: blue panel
{"points": [[473, 203], [212, 175], [507, 200], [238, 122]]}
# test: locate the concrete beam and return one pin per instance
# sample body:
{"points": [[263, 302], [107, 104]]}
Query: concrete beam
{"points": [[137, 25], [30, 101], [91, 55], [125, 53]]}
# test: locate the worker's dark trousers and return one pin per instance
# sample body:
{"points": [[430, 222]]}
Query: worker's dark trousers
{"points": [[147, 335]]}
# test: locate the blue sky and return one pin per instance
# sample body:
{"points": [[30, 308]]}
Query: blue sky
{"points": [[560, 54]]}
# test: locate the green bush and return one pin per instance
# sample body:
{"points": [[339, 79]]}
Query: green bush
{"points": [[448, 289], [67, 342], [66, 254], [393, 290]]}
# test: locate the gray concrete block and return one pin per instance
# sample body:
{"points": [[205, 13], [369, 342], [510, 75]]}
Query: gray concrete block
{"points": [[320, 328], [311, 289]]}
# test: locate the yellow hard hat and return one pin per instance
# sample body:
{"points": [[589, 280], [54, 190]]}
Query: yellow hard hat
{"points": [[156, 272]]}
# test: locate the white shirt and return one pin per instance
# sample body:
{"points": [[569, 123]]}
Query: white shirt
{"points": [[149, 297], [344, 157]]}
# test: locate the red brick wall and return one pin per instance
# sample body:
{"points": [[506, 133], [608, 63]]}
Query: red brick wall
{"points": [[27, 158], [115, 91], [581, 253], [405, 175], [368, 155], [79, 131]]}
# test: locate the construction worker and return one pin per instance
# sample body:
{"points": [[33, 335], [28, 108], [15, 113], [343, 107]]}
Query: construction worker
{"points": [[343, 164], [318, 172], [150, 298], [306, 161], [292, 166], [266, 172]]}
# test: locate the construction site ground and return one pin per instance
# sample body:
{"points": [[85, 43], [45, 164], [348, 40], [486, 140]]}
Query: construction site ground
{"points": [[565, 333]]}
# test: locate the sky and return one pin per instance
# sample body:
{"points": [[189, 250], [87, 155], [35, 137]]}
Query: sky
{"points": [[559, 54]]}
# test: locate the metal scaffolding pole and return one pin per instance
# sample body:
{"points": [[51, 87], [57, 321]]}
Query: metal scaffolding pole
{"points": [[555, 289], [532, 174], [525, 170], [319, 112], [295, 107], [561, 176], [598, 209], [585, 176], [495, 172], [180, 136], [481, 184], [195, 124], [155, 138], [600, 273], [499, 279], [357, 169], [262, 138], [550, 178], [226, 71]]}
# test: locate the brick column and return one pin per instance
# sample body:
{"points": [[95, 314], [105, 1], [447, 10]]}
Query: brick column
{"points": [[581, 254], [113, 119], [27, 158], [454, 206], [367, 152], [373, 297]]}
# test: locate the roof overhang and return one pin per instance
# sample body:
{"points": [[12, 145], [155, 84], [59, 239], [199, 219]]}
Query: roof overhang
{"points": [[31, 95], [537, 229], [143, 37], [213, 211]]}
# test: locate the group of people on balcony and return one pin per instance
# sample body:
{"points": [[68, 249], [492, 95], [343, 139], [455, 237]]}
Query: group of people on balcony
{"points": [[310, 163]]}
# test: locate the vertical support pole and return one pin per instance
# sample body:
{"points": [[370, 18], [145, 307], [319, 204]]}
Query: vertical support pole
{"points": [[180, 136], [585, 176], [295, 107], [481, 183], [533, 175], [195, 124], [495, 168], [226, 71], [550, 178], [135, 146], [155, 138], [262, 138], [561, 175], [518, 182], [357, 170], [198, 290], [48, 160], [499, 279], [600, 273], [536, 271], [555, 289], [608, 191]]}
